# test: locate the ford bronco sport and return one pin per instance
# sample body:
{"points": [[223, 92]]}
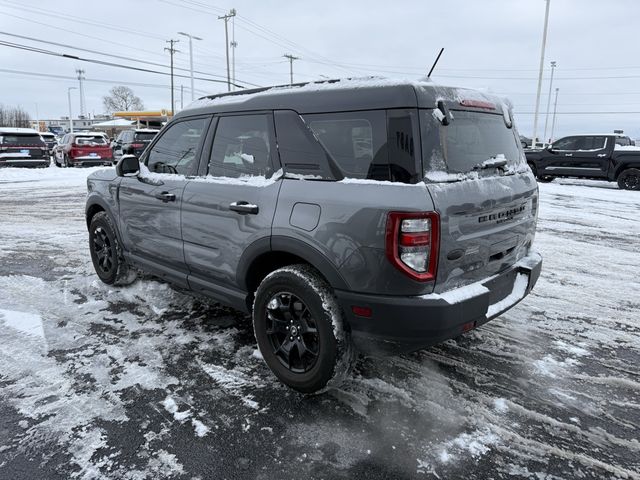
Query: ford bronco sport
{"points": [[386, 215]]}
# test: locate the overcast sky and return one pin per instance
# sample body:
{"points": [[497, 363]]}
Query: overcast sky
{"points": [[489, 44]]}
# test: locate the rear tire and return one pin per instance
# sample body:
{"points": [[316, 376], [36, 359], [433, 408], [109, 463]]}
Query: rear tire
{"points": [[545, 178], [300, 330], [629, 179], [106, 253]]}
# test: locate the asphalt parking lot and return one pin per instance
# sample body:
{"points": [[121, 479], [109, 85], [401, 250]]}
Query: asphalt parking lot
{"points": [[147, 382]]}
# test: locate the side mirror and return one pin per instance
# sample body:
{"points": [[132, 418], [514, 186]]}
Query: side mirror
{"points": [[549, 148], [128, 166]]}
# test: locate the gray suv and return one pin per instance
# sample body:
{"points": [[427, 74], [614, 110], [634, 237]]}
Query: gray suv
{"points": [[384, 215]]}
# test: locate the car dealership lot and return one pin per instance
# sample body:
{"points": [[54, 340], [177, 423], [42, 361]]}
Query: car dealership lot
{"points": [[146, 382]]}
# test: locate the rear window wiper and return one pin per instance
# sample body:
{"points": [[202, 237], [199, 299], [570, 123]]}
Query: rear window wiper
{"points": [[493, 162]]}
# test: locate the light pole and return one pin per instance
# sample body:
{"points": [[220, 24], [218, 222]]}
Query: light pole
{"points": [[555, 107], [544, 45], [191, 38], [70, 114], [546, 121]]}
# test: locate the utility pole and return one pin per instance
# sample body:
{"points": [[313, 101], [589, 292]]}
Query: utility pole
{"points": [[70, 113], [231, 14], [546, 121], [291, 59], [80, 79], [182, 97], [555, 108], [191, 37], [544, 45], [171, 51], [234, 44]]}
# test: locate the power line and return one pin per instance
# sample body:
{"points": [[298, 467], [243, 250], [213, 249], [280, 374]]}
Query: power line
{"points": [[121, 57], [72, 18], [100, 62], [92, 80]]}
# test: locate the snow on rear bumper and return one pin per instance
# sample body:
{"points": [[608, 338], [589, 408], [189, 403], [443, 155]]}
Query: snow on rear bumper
{"points": [[405, 324]]}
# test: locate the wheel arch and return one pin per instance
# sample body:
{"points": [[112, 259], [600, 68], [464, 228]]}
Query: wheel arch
{"points": [[266, 255]]}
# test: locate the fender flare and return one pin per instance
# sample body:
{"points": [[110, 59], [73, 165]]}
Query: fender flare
{"points": [[283, 244]]}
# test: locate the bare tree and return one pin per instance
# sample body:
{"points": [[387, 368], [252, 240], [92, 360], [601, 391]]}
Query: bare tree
{"points": [[121, 99], [14, 117]]}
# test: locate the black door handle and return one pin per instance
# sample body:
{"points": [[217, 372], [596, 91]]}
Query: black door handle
{"points": [[166, 197], [244, 208]]}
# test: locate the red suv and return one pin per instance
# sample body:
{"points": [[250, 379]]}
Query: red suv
{"points": [[83, 149]]}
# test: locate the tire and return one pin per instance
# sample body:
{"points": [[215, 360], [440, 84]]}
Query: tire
{"points": [[295, 302], [106, 253], [65, 161], [629, 179], [545, 178]]}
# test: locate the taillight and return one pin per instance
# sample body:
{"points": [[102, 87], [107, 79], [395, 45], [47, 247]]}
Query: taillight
{"points": [[137, 145], [412, 242]]}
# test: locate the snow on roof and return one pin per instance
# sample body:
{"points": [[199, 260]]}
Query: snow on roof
{"points": [[346, 83], [18, 130], [47, 134], [146, 130], [119, 122], [598, 135]]}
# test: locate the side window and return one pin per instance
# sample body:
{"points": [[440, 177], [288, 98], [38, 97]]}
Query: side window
{"points": [[300, 152], [175, 151], [592, 143], [566, 143], [241, 147], [623, 141], [356, 141]]}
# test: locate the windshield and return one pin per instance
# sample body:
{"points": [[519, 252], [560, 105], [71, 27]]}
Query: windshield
{"points": [[98, 139], [21, 140], [470, 140], [145, 136]]}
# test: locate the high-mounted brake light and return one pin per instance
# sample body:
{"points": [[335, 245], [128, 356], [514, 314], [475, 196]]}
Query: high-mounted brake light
{"points": [[478, 104], [412, 242]]}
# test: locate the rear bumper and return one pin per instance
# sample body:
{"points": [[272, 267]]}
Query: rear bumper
{"points": [[405, 324], [89, 161], [25, 162]]}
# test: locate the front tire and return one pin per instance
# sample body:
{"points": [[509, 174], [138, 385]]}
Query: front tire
{"points": [[106, 253], [545, 178], [629, 179], [300, 330]]}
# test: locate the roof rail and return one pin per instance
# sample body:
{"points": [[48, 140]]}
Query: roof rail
{"points": [[264, 89]]}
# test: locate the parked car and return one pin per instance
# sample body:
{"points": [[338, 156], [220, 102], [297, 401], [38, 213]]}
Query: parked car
{"points": [[525, 141], [50, 140], [132, 142], [601, 157], [83, 149], [390, 216], [22, 147]]}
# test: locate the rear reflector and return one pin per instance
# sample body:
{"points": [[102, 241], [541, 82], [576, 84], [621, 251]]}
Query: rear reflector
{"points": [[362, 311]]}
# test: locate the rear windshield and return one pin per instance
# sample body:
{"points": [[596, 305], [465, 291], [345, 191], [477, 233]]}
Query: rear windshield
{"points": [[98, 139], [144, 136], [470, 139], [21, 140]]}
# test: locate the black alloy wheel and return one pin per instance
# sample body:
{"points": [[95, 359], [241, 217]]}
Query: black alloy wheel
{"points": [[106, 254], [292, 332], [629, 179], [104, 251], [301, 330]]}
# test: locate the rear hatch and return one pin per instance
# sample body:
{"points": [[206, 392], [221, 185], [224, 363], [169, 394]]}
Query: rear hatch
{"points": [[15, 146], [90, 147], [480, 184], [141, 140]]}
